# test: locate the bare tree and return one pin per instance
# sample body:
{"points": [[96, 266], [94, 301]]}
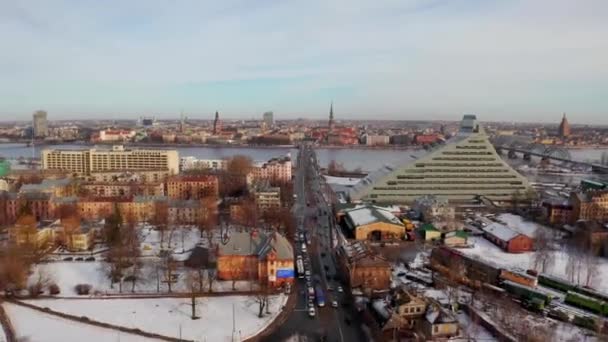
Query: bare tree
{"points": [[543, 258], [70, 226], [160, 219], [261, 297], [41, 281], [194, 280], [169, 267]]}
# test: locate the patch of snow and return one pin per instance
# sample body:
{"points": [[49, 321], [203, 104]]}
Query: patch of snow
{"points": [[33, 326], [348, 181], [522, 225], [487, 251], [172, 316], [472, 330]]}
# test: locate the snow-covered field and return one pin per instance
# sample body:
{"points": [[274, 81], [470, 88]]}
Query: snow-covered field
{"points": [[485, 250], [170, 316], [34, 326], [68, 274]]}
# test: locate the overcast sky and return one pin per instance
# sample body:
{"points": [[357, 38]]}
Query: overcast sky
{"points": [[526, 60]]}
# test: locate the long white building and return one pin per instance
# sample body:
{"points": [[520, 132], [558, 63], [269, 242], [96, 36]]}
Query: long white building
{"points": [[465, 167], [117, 159]]}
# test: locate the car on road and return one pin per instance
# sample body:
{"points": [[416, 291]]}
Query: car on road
{"points": [[330, 288], [311, 312], [334, 304], [340, 289]]}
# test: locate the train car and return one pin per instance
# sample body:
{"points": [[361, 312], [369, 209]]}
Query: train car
{"points": [[523, 292], [591, 293], [555, 283], [588, 303], [474, 269], [518, 277]]}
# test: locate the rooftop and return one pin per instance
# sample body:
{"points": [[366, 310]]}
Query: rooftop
{"points": [[257, 243], [501, 231], [368, 214]]}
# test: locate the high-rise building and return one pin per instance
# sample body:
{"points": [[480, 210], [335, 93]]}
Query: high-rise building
{"points": [[217, 124], [464, 168], [85, 162], [268, 118], [40, 125], [564, 127]]}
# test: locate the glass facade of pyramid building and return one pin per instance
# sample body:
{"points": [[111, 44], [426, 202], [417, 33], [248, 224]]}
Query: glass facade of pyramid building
{"points": [[464, 168]]}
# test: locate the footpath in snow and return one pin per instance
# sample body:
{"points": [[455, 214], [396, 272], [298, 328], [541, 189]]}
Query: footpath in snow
{"points": [[171, 316]]}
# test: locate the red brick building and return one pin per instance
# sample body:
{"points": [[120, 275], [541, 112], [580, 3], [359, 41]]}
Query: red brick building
{"points": [[508, 239]]}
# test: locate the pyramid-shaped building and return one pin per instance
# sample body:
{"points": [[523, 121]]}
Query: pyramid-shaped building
{"points": [[466, 167]]}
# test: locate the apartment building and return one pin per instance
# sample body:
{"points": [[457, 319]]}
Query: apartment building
{"points": [[276, 169], [192, 187], [268, 199], [86, 162]]}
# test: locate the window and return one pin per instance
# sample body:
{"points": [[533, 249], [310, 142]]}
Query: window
{"points": [[435, 329]]}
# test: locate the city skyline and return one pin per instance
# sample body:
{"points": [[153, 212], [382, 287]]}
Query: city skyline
{"points": [[395, 60]]}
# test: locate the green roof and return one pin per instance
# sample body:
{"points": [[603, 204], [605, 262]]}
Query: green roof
{"points": [[5, 167], [461, 234], [428, 227]]}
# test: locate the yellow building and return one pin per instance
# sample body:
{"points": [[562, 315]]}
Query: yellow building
{"points": [[374, 223], [429, 232], [439, 323], [27, 231], [74, 234], [85, 162]]}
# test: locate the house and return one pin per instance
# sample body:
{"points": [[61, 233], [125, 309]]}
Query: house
{"points": [[266, 257], [589, 206], [362, 268], [507, 238], [434, 208], [429, 232], [409, 307], [28, 231], [557, 212], [439, 322], [369, 222], [457, 238], [76, 235]]}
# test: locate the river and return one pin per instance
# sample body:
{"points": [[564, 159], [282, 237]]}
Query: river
{"points": [[364, 159]]}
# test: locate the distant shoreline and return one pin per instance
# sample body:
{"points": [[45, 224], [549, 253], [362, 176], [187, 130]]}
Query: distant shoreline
{"points": [[246, 146]]}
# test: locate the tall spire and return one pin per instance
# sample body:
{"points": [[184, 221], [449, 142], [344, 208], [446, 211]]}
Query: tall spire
{"points": [[331, 116], [217, 125]]}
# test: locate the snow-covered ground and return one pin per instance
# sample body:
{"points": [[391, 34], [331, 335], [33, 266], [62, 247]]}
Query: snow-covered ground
{"points": [[471, 330], [33, 326], [523, 226], [68, 274], [171, 316], [347, 181], [487, 251]]}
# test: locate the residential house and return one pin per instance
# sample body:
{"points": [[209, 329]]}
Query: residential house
{"points": [[507, 238], [439, 323], [457, 238], [362, 268], [557, 212], [266, 257], [29, 231], [409, 307], [429, 232], [434, 208]]}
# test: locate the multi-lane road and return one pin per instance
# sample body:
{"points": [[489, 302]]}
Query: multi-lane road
{"points": [[313, 218]]}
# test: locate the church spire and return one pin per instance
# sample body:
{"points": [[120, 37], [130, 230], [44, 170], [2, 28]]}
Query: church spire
{"points": [[331, 116]]}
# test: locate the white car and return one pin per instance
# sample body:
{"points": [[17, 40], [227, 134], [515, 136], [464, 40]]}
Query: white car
{"points": [[334, 304], [311, 312], [340, 289]]}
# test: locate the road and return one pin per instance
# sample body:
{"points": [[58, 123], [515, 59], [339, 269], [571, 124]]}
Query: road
{"points": [[313, 216]]}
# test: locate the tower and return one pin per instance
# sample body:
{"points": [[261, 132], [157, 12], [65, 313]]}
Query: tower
{"points": [[564, 127], [331, 116], [217, 124], [39, 125]]}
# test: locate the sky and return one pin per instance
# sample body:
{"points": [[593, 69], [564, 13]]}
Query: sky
{"points": [[504, 60]]}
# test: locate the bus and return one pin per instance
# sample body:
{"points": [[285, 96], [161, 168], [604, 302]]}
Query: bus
{"points": [[319, 295], [300, 266]]}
